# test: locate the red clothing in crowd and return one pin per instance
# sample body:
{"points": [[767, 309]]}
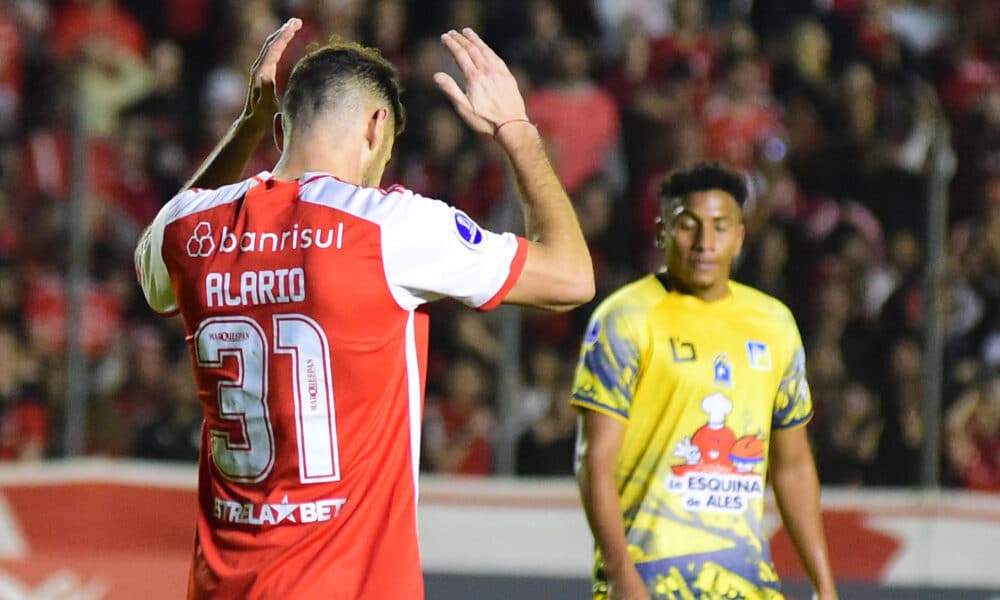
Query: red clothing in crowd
{"points": [[982, 472], [11, 68], [479, 459], [45, 315], [78, 22], [732, 132], [578, 151], [23, 426]]}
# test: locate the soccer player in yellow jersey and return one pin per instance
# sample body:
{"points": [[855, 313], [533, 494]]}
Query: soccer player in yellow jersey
{"points": [[692, 391]]}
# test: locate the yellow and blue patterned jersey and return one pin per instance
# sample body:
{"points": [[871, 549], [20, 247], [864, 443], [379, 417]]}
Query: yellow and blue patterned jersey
{"points": [[699, 386]]}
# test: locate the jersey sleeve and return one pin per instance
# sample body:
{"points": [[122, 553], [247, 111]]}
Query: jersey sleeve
{"points": [[432, 250], [607, 374], [150, 268], [793, 404]]}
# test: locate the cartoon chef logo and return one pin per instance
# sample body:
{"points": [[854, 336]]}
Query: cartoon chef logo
{"points": [[717, 468], [708, 449]]}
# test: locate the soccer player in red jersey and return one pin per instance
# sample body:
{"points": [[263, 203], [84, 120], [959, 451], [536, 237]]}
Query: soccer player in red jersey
{"points": [[300, 289]]}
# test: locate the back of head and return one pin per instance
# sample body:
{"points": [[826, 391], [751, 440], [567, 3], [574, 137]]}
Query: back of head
{"points": [[337, 74]]}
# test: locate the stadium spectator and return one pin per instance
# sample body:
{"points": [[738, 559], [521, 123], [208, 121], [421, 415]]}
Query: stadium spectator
{"points": [[24, 412], [539, 391], [805, 74], [689, 42], [739, 116], [546, 448], [12, 69], [459, 425], [81, 22], [973, 435], [538, 51], [174, 433], [846, 447], [898, 460], [560, 107]]}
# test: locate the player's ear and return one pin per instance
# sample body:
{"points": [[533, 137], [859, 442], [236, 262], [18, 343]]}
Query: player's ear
{"points": [[660, 241], [279, 132], [378, 123], [741, 234]]}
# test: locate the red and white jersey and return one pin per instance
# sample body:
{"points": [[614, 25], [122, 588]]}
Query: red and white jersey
{"points": [[299, 299]]}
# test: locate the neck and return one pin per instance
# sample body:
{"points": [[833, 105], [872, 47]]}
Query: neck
{"points": [[318, 154], [713, 293]]}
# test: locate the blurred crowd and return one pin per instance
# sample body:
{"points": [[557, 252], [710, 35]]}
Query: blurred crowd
{"points": [[831, 107]]}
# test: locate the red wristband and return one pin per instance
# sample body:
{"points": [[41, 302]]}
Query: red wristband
{"points": [[496, 129]]}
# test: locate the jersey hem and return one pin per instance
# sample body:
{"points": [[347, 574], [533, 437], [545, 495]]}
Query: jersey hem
{"points": [[173, 312], [598, 408], [516, 268]]}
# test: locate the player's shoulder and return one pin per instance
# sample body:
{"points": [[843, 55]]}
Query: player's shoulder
{"points": [[754, 300], [325, 187], [633, 298], [376, 204], [195, 200]]}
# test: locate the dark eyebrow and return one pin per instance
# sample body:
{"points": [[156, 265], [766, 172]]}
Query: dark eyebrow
{"points": [[699, 218]]}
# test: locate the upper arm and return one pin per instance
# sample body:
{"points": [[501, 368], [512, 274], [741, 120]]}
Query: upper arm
{"points": [[603, 388], [793, 405], [432, 250], [608, 371], [599, 442], [789, 447], [150, 268]]}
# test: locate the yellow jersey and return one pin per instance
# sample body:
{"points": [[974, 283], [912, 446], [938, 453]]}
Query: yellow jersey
{"points": [[699, 386]]}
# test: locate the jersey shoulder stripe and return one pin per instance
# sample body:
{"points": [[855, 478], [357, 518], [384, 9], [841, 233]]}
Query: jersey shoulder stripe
{"points": [[197, 200], [371, 204]]}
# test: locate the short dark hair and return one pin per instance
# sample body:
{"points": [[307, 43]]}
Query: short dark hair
{"points": [[702, 178], [326, 71]]}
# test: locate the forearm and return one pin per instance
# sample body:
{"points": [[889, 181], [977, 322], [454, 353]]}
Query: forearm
{"points": [[549, 218], [796, 490], [228, 159], [604, 514]]}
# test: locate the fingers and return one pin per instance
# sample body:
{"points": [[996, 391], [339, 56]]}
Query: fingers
{"points": [[490, 96], [451, 89], [459, 52], [484, 49], [267, 44], [462, 104], [265, 67], [474, 50], [280, 43]]}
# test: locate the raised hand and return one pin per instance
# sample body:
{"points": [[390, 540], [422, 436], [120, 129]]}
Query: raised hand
{"points": [[262, 98], [491, 96], [230, 156]]}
